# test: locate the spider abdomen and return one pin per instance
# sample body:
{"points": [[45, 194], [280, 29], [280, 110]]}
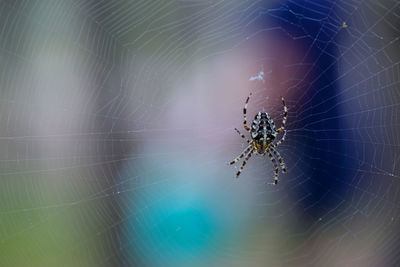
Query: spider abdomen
{"points": [[263, 131]]}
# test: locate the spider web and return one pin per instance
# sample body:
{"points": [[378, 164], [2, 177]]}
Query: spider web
{"points": [[117, 121]]}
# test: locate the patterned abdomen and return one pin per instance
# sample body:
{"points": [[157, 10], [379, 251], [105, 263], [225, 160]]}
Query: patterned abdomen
{"points": [[263, 131]]}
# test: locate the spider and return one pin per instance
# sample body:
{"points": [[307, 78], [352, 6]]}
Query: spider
{"points": [[263, 133]]}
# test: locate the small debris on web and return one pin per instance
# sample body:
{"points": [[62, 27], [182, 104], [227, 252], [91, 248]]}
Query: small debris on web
{"points": [[258, 77]]}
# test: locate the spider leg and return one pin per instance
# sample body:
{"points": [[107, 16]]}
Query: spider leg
{"points": [[244, 162], [242, 135], [280, 141], [244, 114], [284, 116], [276, 168], [278, 156], [241, 155]]}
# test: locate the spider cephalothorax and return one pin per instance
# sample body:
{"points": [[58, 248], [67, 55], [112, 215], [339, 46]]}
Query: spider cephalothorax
{"points": [[263, 134]]}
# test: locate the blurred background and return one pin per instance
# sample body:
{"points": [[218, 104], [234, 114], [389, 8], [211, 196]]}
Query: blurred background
{"points": [[117, 120]]}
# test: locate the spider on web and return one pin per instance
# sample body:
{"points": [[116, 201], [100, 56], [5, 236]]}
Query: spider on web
{"points": [[263, 134]]}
